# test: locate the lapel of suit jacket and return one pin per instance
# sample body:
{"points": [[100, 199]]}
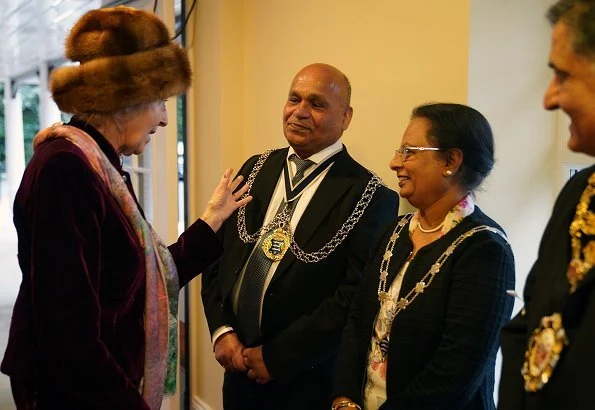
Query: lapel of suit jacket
{"points": [[263, 188], [336, 182]]}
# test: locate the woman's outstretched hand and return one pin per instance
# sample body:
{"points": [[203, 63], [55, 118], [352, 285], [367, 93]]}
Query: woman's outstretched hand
{"points": [[224, 201]]}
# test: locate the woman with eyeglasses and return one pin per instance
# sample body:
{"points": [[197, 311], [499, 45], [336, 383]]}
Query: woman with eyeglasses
{"points": [[423, 330]]}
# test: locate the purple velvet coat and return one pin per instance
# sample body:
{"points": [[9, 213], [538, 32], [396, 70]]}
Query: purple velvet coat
{"points": [[77, 337]]}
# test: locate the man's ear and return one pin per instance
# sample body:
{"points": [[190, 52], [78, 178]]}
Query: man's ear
{"points": [[347, 117]]}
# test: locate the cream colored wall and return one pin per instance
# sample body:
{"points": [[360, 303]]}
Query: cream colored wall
{"points": [[396, 53], [245, 53], [215, 141], [508, 74]]}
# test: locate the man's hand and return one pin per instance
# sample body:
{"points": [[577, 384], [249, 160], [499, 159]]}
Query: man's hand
{"points": [[257, 369], [228, 352]]}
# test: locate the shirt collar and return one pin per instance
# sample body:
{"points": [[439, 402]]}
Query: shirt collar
{"points": [[320, 156]]}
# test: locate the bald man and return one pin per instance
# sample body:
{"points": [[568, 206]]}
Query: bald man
{"points": [[276, 300]]}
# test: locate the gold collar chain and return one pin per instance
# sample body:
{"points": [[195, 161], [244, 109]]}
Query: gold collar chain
{"points": [[420, 286], [427, 279], [549, 339], [583, 257]]}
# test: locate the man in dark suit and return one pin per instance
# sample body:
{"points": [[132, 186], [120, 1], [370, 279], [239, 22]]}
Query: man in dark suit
{"points": [[549, 347], [276, 300]]}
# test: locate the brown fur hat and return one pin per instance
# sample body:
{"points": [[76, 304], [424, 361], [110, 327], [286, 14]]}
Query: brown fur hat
{"points": [[126, 58]]}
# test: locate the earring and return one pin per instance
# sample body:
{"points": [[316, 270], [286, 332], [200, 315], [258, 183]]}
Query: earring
{"points": [[448, 173]]}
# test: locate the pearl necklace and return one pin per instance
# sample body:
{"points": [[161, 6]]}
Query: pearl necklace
{"points": [[429, 230]]}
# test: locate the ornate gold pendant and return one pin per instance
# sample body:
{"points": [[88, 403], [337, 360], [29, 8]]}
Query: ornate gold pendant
{"points": [[543, 352], [276, 244]]}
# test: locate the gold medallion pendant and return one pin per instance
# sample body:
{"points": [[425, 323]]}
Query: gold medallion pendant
{"points": [[276, 244], [543, 352]]}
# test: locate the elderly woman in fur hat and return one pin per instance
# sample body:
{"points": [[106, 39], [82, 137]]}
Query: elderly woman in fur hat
{"points": [[94, 325]]}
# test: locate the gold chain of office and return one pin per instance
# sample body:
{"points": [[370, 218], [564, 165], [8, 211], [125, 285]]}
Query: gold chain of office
{"points": [[428, 278], [281, 220], [583, 225], [549, 339]]}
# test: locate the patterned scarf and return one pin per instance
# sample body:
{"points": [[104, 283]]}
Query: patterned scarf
{"points": [[162, 284]]}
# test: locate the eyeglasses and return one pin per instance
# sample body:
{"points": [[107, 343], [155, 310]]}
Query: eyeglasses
{"points": [[405, 153]]}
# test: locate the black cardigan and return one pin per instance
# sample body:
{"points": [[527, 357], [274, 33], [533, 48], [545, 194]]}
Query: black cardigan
{"points": [[443, 347]]}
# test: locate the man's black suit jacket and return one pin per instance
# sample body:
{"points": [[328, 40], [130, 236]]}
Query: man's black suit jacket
{"points": [[305, 304], [547, 292]]}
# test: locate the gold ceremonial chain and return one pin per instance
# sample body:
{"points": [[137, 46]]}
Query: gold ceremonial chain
{"points": [[281, 220], [583, 224], [426, 280], [549, 339]]}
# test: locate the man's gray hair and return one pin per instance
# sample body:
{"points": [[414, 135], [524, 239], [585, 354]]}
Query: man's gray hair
{"points": [[579, 15]]}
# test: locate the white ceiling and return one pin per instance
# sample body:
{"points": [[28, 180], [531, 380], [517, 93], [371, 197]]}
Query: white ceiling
{"points": [[33, 31]]}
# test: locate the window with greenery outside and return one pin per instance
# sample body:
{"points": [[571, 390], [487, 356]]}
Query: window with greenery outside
{"points": [[30, 103]]}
